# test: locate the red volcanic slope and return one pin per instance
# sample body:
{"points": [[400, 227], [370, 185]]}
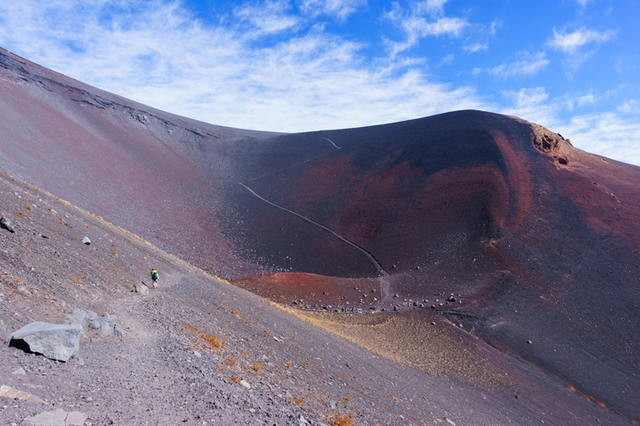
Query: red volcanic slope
{"points": [[537, 238]]}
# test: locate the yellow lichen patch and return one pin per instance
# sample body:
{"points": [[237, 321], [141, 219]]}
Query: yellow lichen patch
{"points": [[340, 420], [212, 341]]}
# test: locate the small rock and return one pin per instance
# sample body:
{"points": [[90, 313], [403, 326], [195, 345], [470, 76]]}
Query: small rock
{"points": [[529, 341], [19, 372], [57, 418], [10, 392], [245, 384], [141, 288], [22, 289], [265, 359], [86, 241], [5, 223], [302, 421]]}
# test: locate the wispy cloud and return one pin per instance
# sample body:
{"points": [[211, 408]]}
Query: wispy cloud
{"points": [[272, 17], [571, 42], [525, 64], [340, 9], [573, 45], [422, 20], [630, 106], [532, 104], [605, 133], [433, 8]]}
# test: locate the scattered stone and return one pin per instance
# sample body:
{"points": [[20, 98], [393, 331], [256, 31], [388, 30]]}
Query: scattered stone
{"points": [[10, 392], [54, 341], [19, 372], [106, 325], [141, 288], [57, 418], [24, 290], [5, 223], [86, 241], [302, 421]]}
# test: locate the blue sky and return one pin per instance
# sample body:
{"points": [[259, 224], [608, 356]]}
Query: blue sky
{"points": [[569, 65]]}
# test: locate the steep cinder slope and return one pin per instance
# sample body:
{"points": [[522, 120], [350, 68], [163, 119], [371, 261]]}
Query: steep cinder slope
{"points": [[191, 347]]}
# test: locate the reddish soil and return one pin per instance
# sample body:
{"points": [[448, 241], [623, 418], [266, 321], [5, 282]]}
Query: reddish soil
{"points": [[536, 241]]}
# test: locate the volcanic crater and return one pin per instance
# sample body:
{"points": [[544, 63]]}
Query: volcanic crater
{"points": [[525, 246]]}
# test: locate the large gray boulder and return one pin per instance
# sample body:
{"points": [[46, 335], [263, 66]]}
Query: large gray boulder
{"points": [[55, 341]]}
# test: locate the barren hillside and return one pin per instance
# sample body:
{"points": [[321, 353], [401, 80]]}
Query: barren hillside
{"points": [[468, 265]]}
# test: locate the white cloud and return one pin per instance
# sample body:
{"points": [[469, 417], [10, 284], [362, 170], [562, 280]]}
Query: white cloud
{"points": [[155, 53], [532, 105], [605, 133], [571, 42], [340, 9], [416, 26], [476, 47], [271, 17], [447, 60], [432, 8], [630, 106], [525, 64]]}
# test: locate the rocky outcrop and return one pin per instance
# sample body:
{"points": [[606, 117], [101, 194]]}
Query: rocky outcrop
{"points": [[106, 325], [54, 341]]}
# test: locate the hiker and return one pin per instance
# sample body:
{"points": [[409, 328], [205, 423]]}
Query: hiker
{"points": [[154, 278]]}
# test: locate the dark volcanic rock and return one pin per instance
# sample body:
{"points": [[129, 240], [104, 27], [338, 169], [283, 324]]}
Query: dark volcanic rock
{"points": [[5, 223]]}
